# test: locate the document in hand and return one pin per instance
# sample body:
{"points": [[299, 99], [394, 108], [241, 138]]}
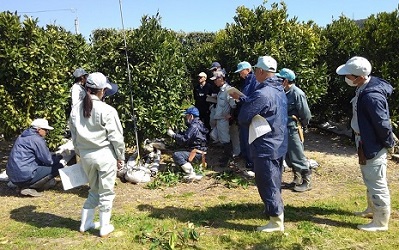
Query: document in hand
{"points": [[73, 176], [212, 99], [234, 90], [258, 127]]}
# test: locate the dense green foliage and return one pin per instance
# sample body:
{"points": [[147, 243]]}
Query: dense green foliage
{"points": [[37, 63], [35, 69]]}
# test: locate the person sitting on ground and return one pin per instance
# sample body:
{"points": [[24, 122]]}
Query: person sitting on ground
{"points": [[194, 138], [31, 166]]}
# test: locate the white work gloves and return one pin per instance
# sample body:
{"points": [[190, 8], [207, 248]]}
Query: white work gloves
{"points": [[171, 133]]}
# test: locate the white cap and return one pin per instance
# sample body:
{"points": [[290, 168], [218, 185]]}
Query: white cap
{"points": [[202, 74], [97, 80], [267, 63], [41, 123], [357, 66]]}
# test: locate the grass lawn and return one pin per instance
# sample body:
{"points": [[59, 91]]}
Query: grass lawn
{"points": [[215, 213]]}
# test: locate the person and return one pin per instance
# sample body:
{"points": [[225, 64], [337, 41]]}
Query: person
{"points": [[373, 136], [268, 150], [244, 68], [78, 88], [222, 115], [31, 166], [201, 91], [193, 138], [298, 117], [97, 136]]}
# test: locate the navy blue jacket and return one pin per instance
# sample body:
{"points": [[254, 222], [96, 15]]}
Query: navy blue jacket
{"points": [[373, 117], [269, 101], [28, 153], [194, 136], [200, 94]]}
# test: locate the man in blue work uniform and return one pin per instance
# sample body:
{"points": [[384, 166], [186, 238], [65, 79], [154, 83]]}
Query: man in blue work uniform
{"points": [[268, 150]]}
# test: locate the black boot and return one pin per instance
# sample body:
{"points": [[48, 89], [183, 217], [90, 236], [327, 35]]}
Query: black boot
{"points": [[297, 181], [306, 181], [227, 154]]}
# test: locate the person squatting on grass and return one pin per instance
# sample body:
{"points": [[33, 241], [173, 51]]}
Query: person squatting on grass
{"points": [[267, 151], [194, 138], [298, 117], [373, 137], [97, 136], [31, 166]]}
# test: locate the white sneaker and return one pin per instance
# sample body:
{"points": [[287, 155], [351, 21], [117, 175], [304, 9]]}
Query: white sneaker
{"points": [[3, 176], [192, 177], [249, 173]]}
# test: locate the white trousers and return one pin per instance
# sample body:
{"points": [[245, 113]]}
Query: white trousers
{"points": [[375, 178], [100, 168]]}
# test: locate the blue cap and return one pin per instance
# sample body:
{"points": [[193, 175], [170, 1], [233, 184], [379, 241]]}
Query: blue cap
{"points": [[215, 65], [243, 65], [286, 74], [192, 111]]}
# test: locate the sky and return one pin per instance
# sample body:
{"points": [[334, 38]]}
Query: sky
{"points": [[85, 16]]}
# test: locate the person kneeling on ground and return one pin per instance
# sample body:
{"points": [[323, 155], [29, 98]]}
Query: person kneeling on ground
{"points": [[194, 138], [31, 166]]}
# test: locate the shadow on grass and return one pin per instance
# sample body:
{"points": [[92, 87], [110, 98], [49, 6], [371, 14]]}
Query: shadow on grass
{"points": [[27, 214], [82, 191], [225, 215]]}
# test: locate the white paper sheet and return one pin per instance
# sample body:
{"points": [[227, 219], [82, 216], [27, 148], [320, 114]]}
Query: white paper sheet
{"points": [[73, 176], [258, 127], [234, 90]]}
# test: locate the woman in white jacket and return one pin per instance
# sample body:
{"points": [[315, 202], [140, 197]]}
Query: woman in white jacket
{"points": [[97, 135]]}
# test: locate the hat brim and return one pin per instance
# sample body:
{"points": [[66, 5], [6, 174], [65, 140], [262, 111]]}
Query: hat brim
{"points": [[238, 70], [47, 127], [342, 70], [213, 78], [112, 90]]}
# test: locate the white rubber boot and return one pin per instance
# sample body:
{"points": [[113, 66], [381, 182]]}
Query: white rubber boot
{"points": [[187, 168], [105, 227], [275, 224], [87, 220], [368, 212], [380, 220]]}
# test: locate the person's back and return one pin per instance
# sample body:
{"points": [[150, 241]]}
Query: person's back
{"points": [[97, 135], [271, 96], [92, 131]]}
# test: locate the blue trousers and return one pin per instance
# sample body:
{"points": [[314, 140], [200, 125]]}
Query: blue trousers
{"points": [[43, 171], [181, 157], [244, 134], [295, 157], [268, 175]]}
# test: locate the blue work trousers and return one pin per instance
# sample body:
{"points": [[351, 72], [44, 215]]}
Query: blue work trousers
{"points": [[268, 175]]}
